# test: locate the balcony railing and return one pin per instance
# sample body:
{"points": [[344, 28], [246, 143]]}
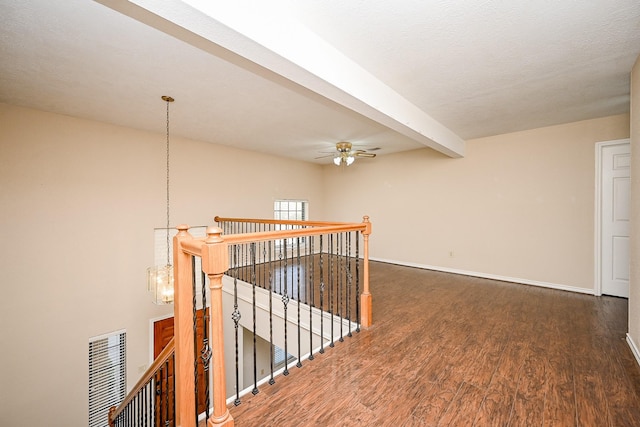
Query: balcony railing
{"points": [[295, 286]]}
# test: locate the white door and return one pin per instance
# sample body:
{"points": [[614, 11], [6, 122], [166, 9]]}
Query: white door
{"points": [[615, 162]]}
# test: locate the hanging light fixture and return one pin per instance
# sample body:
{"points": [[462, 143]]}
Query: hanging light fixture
{"points": [[345, 156], [343, 159], [160, 278]]}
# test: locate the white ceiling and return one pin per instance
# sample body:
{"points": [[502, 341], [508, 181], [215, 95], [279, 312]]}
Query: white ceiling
{"points": [[477, 68]]}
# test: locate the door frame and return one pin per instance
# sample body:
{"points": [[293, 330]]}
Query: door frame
{"points": [[600, 146]]}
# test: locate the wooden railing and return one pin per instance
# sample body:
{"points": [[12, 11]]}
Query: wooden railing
{"points": [[140, 410], [213, 250]]}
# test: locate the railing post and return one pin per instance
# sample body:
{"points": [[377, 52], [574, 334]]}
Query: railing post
{"points": [[183, 331], [215, 262], [365, 299]]}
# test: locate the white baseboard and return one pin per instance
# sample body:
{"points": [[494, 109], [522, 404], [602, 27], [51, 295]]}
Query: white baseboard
{"points": [[490, 276], [634, 348]]}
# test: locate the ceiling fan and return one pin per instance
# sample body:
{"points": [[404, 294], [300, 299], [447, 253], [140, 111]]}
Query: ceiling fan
{"points": [[346, 155]]}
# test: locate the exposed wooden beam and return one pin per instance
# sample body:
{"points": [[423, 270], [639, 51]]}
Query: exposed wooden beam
{"points": [[264, 38]]}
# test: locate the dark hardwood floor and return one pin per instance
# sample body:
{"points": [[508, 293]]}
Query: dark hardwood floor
{"points": [[448, 350]]}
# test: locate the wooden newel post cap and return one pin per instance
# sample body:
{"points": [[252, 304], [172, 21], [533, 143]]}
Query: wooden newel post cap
{"points": [[365, 220], [214, 235]]}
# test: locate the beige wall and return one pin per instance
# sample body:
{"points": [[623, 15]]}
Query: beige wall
{"points": [[80, 200], [86, 196], [518, 206], [634, 287]]}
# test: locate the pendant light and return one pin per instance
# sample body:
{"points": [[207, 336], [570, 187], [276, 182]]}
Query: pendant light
{"points": [[160, 277]]}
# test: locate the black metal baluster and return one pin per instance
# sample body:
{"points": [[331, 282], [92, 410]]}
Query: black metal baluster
{"points": [[331, 284], [138, 408], [152, 406], [255, 331], [236, 316], [285, 301], [160, 395], [272, 381], [310, 292], [156, 397], [299, 266], [144, 405], [264, 261], [205, 353], [173, 388], [246, 256], [357, 281], [349, 280], [341, 273], [194, 313], [166, 385], [321, 298]]}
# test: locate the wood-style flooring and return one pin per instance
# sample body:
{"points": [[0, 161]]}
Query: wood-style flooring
{"points": [[449, 350]]}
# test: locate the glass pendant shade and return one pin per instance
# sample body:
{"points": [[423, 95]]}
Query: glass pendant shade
{"points": [[160, 284], [343, 159]]}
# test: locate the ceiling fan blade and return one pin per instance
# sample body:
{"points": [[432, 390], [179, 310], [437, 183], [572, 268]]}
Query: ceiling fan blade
{"points": [[361, 153], [325, 156]]}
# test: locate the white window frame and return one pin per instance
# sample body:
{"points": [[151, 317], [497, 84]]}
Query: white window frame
{"points": [[300, 210]]}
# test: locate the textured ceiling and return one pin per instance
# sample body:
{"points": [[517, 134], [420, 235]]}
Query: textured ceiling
{"points": [[479, 68]]}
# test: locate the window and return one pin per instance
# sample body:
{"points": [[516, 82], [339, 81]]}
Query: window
{"points": [[290, 210], [107, 376], [295, 210], [279, 357]]}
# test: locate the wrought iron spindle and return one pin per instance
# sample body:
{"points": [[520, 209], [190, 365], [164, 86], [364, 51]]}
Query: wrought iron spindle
{"points": [[310, 293], [264, 261], [299, 364], [173, 394], [236, 316], [331, 284], [195, 333], [255, 331], [166, 390], [340, 273], [321, 298], [144, 405], [272, 381], [151, 402], [205, 353], [285, 302], [349, 277], [357, 281], [139, 409]]}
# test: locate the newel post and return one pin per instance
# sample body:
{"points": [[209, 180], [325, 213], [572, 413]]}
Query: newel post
{"points": [[215, 262], [183, 331], [365, 298]]}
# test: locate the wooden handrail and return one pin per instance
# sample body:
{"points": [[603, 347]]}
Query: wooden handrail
{"points": [[149, 373], [194, 246], [280, 221]]}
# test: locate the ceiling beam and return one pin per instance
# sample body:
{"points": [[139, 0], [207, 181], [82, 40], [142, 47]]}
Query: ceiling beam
{"points": [[263, 37]]}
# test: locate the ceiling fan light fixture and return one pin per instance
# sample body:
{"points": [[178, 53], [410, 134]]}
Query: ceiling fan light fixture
{"points": [[349, 160], [337, 160]]}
